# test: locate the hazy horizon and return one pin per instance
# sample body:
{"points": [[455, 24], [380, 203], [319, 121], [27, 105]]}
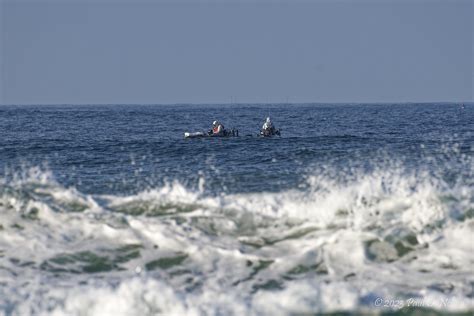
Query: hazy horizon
{"points": [[246, 103], [194, 52]]}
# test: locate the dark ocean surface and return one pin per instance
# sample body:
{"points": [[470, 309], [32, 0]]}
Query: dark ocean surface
{"points": [[353, 204], [128, 148]]}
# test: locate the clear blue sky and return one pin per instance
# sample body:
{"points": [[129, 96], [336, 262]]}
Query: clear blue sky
{"points": [[255, 51]]}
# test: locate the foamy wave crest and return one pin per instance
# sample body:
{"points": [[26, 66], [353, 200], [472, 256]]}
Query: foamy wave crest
{"points": [[340, 244]]}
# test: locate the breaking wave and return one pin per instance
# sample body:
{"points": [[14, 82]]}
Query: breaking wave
{"points": [[339, 244]]}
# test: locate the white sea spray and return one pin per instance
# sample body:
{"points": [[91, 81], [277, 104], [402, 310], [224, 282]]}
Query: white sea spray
{"points": [[341, 244]]}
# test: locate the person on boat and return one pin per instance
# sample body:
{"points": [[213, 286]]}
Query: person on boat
{"points": [[217, 128], [268, 128]]}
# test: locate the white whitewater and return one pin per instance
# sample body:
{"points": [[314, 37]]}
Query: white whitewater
{"points": [[337, 245]]}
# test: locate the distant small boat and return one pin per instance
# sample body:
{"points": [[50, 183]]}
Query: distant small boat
{"points": [[264, 133], [227, 133]]}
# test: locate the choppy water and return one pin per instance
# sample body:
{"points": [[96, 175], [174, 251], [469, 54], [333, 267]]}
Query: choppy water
{"points": [[108, 210]]}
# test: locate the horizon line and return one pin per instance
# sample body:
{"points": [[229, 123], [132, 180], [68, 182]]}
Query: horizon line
{"points": [[241, 103]]}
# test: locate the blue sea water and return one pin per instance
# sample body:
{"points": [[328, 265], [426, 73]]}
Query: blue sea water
{"points": [[128, 148], [102, 204]]}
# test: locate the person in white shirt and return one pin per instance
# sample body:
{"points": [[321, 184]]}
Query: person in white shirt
{"points": [[267, 128]]}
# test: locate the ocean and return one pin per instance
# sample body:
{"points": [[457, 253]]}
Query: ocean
{"points": [[108, 210]]}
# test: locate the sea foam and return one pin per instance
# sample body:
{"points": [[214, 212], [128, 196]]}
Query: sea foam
{"points": [[338, 244]]}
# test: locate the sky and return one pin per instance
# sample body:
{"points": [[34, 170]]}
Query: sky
{"points": [[162, 52]]}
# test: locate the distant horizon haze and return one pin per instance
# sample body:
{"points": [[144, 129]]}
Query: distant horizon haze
{"points": [[204, 52], [228, 104]]}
